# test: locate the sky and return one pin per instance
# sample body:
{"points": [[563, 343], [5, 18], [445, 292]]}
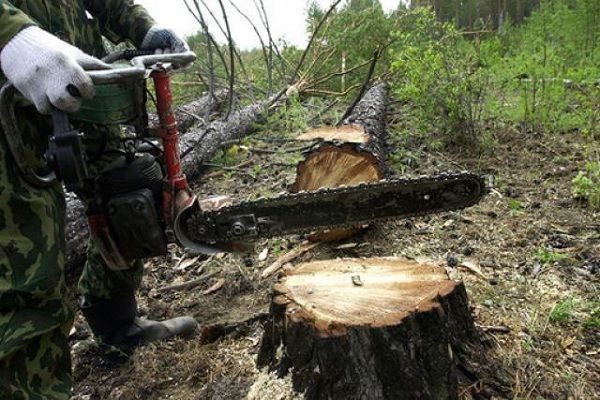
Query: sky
{"points": [[286, 18]]}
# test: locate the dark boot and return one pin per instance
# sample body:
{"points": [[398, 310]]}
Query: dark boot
{"points": [[115, 322]]}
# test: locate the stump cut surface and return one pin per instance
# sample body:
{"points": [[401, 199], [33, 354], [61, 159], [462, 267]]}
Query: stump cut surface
{"points": [[355, 292]]}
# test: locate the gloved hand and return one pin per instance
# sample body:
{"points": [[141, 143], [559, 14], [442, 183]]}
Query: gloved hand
{"points": [[48, 71], [163, 41]]}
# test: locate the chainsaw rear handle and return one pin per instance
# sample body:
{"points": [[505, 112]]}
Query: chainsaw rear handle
{"points": [[141, 66]]}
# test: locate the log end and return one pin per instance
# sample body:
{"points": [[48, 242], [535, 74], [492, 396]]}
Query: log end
{"points": [[333, 166]]}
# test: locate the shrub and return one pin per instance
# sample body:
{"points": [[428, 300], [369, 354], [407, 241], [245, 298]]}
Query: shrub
{"points": [[437, 72]]}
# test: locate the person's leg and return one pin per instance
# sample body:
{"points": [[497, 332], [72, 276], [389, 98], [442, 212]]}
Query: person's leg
{"points": [[34, 317]]}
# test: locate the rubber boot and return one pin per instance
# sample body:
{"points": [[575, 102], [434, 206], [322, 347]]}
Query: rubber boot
{"points": [[114, 322]]}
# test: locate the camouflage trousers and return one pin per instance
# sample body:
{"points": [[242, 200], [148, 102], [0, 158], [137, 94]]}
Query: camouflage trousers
{"points": [[35, 318]]}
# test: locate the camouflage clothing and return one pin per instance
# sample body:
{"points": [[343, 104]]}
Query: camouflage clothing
{"points": [[34, 317]]}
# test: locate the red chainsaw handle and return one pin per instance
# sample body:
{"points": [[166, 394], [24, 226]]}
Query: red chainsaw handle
{"points": [[177, 195]]}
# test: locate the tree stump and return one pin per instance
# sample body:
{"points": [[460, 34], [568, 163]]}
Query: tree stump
{"points": [[381, 328], [349, 154]]}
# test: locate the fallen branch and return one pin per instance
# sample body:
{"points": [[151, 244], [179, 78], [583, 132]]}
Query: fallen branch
{"points": [[189, 284], [211, 333]]}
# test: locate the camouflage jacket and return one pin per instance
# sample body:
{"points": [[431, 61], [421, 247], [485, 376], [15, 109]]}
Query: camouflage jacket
{"points": [[79, 22]]}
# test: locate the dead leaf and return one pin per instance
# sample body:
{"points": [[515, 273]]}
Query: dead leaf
{"points": [[215, 288], [448, 223], [568, 342], [473, 266]]}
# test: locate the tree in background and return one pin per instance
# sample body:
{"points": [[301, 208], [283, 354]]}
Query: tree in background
{"points": [[354, 33], [472, 14]]}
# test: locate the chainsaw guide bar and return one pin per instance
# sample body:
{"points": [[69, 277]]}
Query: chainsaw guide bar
{"points": [[324, 209]]}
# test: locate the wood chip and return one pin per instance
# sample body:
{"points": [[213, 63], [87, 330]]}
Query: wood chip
{"points": [[473, 266], [495, 329], [185, 263], [215, 288], [288, 257], [263, 254], [346, 246]]}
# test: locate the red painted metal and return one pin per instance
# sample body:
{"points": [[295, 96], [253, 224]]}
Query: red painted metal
{"points": [[176, 192]]}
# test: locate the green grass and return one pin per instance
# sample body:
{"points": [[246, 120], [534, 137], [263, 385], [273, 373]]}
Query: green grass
{"points": [[515, 205], [545, 256], [586, 185], [593, 320], [562, 311]]}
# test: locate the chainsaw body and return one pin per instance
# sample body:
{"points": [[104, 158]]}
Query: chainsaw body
{"points": [[136, 199]]}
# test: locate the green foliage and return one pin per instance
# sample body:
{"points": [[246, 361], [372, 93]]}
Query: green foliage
{"points": [[545, 256], [527, 344], [437, 73], [544, 70], [291, 118], [515, 205], [539, 75], [593, 321], [350, 38], [470, 14], [586, 185], [562, 311]]}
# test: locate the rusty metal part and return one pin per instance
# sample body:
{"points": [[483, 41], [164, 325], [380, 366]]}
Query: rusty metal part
{"points": [[304, 212]]}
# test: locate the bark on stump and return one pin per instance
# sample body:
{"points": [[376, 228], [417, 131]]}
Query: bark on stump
{"points": [[351, 153], [382, 328]]}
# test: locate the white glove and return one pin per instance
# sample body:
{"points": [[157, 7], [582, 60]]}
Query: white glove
{"points": [[48, 71], [163, 41]]}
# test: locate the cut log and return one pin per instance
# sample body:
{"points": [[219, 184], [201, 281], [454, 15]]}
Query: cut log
{"points": [[383, 328], [349, 154]]}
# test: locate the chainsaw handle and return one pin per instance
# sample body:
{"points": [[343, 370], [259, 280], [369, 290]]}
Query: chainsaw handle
{"points": [[140, 66]]}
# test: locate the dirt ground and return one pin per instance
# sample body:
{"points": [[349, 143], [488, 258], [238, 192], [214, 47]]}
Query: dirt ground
{"points": [[538, 251]]}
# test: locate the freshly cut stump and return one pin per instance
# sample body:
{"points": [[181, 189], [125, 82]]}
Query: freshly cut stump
{"points": [[381, 328], [349, 154]]}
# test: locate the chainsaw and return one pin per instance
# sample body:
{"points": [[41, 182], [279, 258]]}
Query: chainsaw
{"points": [[144, 202]]}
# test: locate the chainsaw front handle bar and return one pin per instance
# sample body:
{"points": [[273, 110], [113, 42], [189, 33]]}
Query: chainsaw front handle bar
{"points": [[141, 67]]}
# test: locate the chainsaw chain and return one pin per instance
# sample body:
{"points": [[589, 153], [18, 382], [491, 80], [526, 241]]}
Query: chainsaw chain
{"points": [[286, 200]]}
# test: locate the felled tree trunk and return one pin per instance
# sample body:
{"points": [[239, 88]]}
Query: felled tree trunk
{"points": [[351, 153], [190, 114], [382, 328], [199, 146]]}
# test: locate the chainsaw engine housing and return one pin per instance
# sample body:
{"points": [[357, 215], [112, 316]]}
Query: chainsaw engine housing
{"points": [[126, 218]]}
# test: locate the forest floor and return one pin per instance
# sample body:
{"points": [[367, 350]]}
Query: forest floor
{"points": [[533, 284]]}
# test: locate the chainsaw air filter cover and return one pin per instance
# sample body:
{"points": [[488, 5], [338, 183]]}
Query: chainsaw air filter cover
{"points": [[131, 194]]}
